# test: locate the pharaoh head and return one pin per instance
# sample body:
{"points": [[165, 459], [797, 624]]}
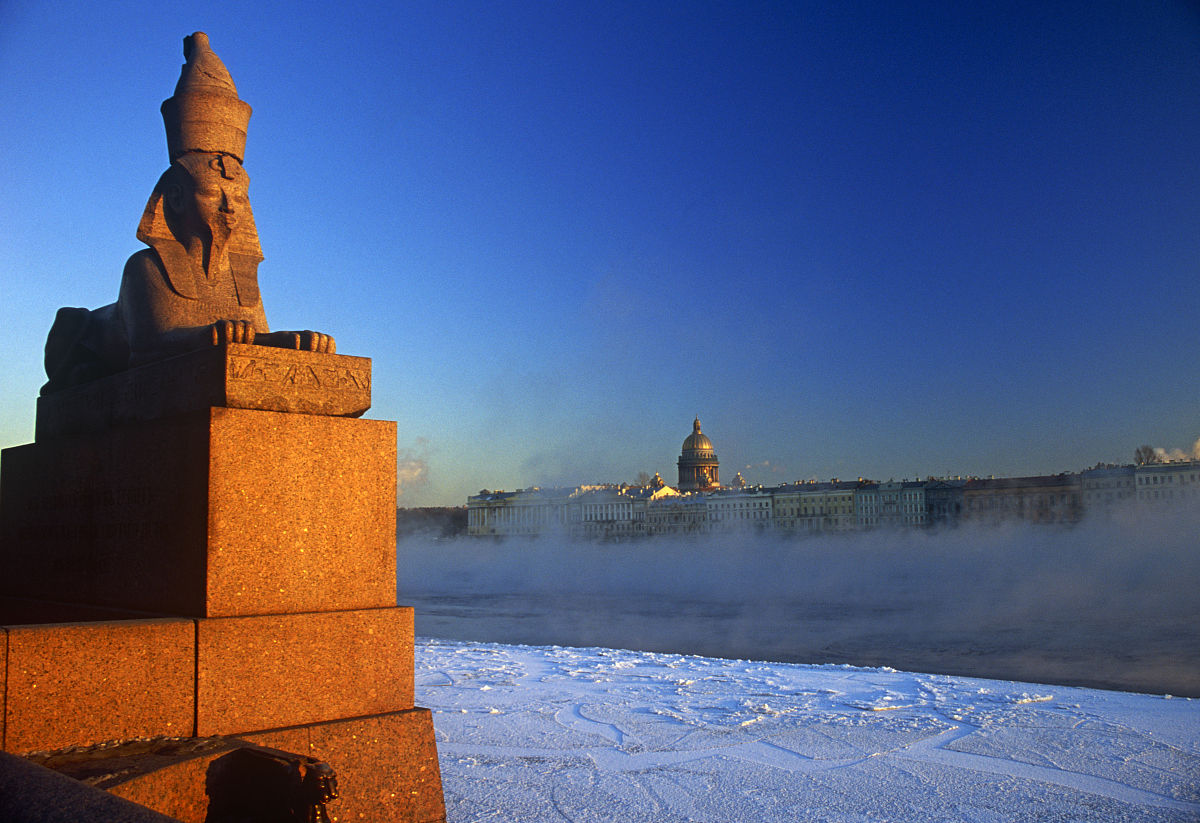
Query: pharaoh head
{"points": [[198, 217], [202, 239]]}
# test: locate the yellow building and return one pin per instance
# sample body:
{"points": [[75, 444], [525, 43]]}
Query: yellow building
{"points": [[815, 507]]}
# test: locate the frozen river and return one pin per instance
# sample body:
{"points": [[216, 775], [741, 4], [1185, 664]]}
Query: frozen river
{"points": [[1110, 607], [1116, 654]]}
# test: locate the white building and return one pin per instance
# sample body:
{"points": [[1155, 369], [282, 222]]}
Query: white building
{"points": [[677, 514], [867, 507], [603, 511], [608, 513], [1168, 483], [739, 509], [522, 512], [1105, 487], [913, 510]]}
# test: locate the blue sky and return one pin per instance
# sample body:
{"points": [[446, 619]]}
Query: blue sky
{"points": [[859, 238]]}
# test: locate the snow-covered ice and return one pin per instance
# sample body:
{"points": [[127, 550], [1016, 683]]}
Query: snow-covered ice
{"points": [[531, 733]]}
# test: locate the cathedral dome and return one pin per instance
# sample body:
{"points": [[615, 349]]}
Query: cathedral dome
{"points": [[697, 441], [698, 466]]}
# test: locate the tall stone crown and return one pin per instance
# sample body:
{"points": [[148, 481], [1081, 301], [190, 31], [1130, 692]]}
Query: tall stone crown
{"points": [[205, 113]]}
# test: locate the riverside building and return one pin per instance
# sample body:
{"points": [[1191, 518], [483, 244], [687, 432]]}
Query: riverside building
{"points": [[700, 505]]}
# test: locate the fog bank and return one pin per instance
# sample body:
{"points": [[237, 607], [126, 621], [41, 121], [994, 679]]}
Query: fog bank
{"points": [[1113, 603]]}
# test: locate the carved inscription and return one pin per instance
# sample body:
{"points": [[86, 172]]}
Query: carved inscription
{"points": [[264, 370]]}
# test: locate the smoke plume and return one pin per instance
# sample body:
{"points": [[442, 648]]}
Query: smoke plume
{"points": [[412, 468], [1172, 455]]}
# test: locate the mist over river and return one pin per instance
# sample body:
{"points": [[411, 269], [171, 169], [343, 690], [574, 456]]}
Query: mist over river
{"points": [[1113, 604]]}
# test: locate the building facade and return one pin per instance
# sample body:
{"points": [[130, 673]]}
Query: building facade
{"points": [[816, 507], [1168, 483], [943, 501], [739, 509], [531, 511], [1041, 499], [701, 505], [1104, 488], [682, 514], [866, 505]]}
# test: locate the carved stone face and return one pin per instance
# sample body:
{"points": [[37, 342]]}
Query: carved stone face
{"points": [[213, 197]]}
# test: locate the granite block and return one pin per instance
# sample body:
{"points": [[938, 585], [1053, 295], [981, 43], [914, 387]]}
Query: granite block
{"points": [[387, 765], [3, 682], [115, 520], [85, 683], [301, 513], [271, 671], [168, 776], [177, 792], [219, 513], [163, 774], [233, 375]]}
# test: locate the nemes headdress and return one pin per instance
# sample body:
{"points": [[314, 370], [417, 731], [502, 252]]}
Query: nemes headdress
{"points": [[203, 117]]}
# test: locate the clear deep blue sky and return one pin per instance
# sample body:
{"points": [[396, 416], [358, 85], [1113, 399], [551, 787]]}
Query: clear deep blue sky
{"points": [[857, 238]]}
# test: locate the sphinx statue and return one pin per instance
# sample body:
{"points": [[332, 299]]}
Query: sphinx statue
{"points": [[197, 283]]}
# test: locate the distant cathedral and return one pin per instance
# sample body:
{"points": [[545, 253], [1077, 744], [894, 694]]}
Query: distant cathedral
{"points": [[697, 463]]}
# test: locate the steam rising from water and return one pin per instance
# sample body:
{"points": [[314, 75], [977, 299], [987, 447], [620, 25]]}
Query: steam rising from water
{"points": [[412, 468], [1111, 603]]}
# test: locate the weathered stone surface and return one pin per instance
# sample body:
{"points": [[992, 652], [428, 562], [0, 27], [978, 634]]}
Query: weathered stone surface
{"points": [[223, 512], [283, 670], [387, 765], [86, 683], [234, 375]]}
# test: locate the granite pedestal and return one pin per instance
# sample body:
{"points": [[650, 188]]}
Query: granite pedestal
{"points": [[232, 508]]}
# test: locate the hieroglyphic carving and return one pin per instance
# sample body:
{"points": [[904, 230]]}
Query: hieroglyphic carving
{"points": [[266, 370]]}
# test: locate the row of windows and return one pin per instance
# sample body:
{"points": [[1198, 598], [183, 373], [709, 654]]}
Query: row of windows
{"points": [[512, 514], [1166, 494], [1157, 479], [755, 515]]}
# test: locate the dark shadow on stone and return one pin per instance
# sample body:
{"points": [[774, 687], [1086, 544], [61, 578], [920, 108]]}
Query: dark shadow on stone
{"points": [[32, 793], [256, 784]]}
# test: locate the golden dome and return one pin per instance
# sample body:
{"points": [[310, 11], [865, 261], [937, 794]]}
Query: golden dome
{"points": [[697, 441]]}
